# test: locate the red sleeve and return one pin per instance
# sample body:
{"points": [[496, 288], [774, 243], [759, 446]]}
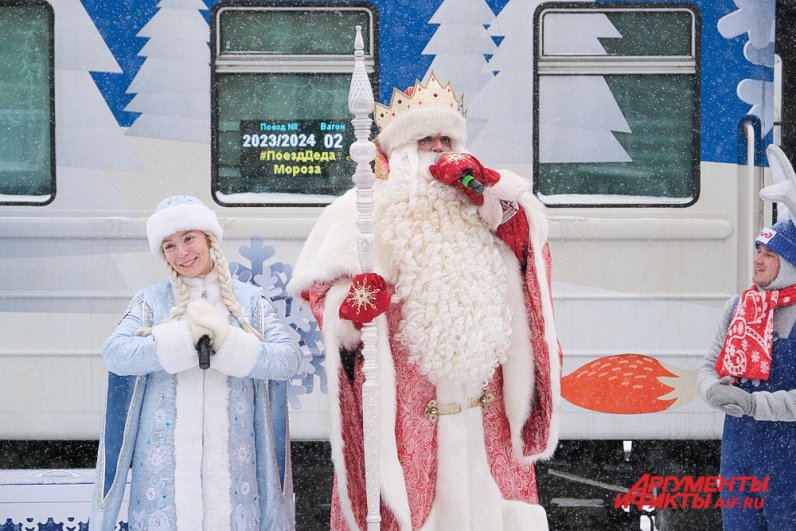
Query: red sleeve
{"points": [[515, 233], [316, 298]]}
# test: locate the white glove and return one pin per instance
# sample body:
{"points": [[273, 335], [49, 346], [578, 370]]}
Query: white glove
{"points": [[204, 319]]}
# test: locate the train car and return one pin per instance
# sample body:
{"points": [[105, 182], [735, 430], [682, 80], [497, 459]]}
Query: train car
{"points": [[641, 125]]}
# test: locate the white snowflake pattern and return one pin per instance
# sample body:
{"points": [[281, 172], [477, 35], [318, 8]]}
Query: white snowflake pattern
{"points": [[756, 93], [756, 19], [456, 157], [156, 459], [159, 521], [241, 521], [243, 453], [753, 17], [138, 520], [272, 277]]}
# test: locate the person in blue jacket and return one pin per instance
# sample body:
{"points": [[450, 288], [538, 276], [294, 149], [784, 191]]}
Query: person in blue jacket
{"points": [[208, 449]]}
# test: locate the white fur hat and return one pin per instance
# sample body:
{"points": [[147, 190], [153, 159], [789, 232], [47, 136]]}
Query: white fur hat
{"points": [[178, 213], [416, 124]]}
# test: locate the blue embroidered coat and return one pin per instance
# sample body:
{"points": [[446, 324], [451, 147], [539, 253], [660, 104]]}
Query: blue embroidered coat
{"points": [[140, 415]]}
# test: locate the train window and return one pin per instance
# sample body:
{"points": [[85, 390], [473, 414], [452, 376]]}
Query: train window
{"points": [[281, 125], [617, 101], [27, 123]]}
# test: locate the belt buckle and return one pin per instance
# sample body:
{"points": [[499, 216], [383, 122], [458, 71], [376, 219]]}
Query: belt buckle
{"points": [[432, 411]]}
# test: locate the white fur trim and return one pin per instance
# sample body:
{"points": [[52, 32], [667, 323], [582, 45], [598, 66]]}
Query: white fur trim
{"points": [[216, 473], [521, 516], [180, 217], [206, 287], [238, 354], [475, 501], [175, 349], [348, 336], [188, 449], [518, 369], [537, 219], [537, 222], [331, 323], [414, 125], [393, 485], [491, 211], [329, 251], [509, 187]]}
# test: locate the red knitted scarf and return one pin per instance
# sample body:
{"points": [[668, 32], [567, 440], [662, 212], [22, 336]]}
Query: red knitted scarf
{"points": [[747, 350]]}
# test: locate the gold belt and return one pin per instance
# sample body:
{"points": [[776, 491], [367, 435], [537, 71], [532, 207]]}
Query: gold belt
{"points": [[433, 410]]}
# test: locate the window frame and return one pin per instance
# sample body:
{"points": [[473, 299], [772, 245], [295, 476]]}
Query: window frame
{"points": [[620, 64], [51, 89], [253, 63]]}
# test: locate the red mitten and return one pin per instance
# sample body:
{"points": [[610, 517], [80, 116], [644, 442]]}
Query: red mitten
{"points": [[367, 298], [466, 173]]}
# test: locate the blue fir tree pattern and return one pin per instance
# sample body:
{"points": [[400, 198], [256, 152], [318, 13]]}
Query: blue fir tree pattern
{"points": [[50, 525], [9, 525], [272, 277]]}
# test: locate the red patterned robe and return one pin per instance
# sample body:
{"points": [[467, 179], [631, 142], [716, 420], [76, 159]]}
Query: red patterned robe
{"points": [[519, 427]]}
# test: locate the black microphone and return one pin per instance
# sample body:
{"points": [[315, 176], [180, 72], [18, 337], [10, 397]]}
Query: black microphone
{"points": [[205, 351], [471, 183]]}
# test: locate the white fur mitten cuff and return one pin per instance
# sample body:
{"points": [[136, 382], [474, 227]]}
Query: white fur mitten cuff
{"points": [[238, 355], [175, 349], [348, 335]]}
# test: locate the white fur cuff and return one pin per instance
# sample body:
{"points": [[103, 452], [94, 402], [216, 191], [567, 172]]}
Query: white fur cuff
{"points": [[238, 355], [348, 335], [509, 188], [175, 349]]}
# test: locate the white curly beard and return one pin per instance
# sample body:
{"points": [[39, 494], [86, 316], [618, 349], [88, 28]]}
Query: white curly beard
{"points": [[447, 271]]}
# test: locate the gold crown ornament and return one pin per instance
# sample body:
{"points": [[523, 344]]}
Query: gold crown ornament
{"points": [[431, 95]]}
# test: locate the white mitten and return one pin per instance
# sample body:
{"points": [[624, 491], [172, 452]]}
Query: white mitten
{"points": [[204, 319]]}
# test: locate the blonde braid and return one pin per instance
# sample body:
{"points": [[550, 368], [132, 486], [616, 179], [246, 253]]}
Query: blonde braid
{"points": [[181, 299], [225, 281], [181, 295]]}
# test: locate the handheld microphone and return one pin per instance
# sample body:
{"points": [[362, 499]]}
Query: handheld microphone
{"points": [[470, 182], [205, 351]]}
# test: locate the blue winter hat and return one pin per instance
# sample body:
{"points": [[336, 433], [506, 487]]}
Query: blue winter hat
{"points": [[781, 238], [180, 213]]}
